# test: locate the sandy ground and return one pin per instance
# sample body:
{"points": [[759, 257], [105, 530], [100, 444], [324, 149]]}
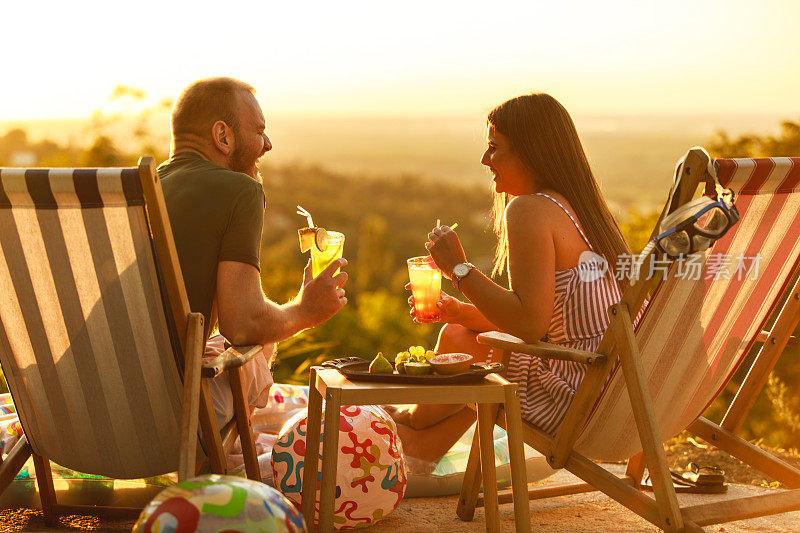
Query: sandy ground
{"points": [[576, 513], [587, 512]]}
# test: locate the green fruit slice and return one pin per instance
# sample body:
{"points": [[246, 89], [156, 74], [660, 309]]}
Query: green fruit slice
{"points": [[417, 369], [380, 365]]}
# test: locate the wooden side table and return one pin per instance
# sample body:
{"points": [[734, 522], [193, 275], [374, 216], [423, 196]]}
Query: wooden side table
{"points": [[488, 394]]}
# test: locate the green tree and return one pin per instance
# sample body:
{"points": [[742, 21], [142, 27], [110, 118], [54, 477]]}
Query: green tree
{"points": [[14, 141], [638, 227], [103, 153], [374, 257], [785, 143]]}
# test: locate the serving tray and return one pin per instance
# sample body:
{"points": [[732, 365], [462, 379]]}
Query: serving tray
{"points": [[357, 369]]}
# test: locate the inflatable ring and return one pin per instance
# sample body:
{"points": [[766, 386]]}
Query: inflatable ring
{"points": [[75, 488], [444, 478]]}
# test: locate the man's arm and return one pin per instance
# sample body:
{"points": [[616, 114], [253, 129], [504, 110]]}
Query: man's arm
{"points": [[246, 316]]}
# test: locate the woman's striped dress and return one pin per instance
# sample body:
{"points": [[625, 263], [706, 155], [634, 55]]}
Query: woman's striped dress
{"points": [[580, 318]]}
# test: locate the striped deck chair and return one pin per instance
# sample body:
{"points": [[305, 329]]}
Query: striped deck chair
{"points": [[101, 353], [692, 336]]}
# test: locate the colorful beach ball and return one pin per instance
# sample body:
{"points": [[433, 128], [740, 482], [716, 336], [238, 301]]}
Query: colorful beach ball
{"points": [[221, 504], [371, 470]]}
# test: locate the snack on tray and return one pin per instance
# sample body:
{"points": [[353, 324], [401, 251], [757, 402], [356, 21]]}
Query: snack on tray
{"points": [[380, 365], [451, 363]]}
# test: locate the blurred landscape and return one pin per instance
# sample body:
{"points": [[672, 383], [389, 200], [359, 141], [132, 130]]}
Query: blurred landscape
{"points": [[383, 182], [632, 156]]}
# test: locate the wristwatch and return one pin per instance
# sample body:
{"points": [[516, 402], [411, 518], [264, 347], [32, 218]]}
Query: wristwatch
{"points": [[460, 271]]}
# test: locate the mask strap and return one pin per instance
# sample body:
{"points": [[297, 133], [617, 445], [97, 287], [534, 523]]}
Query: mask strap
{"points": [[711, 189], [717, 189]]}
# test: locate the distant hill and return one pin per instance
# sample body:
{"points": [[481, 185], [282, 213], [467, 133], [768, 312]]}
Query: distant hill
{"points": [[633, 156]]}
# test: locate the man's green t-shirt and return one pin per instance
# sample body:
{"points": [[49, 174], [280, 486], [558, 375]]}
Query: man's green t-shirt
{"points": [[216, 215]]}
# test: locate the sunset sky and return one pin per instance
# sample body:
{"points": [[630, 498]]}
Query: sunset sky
{"points": [[63, 59]]}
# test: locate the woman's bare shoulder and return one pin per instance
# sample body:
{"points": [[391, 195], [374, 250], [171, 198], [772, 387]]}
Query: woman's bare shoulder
{"points": [[531, 208]]}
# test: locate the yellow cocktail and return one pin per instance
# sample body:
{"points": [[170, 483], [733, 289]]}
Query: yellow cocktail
{"points": [[332, 250], [426, 287]]}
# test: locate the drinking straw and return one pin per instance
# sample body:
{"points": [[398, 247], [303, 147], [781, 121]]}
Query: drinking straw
{"points": [[454, 225], [301, 211]]}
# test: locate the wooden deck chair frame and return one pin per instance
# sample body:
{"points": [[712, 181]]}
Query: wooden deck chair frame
{"points": [[663, 510], [196, 400]]}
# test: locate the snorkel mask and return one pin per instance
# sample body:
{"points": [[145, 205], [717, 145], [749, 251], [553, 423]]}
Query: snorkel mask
{"points": [[694, 226]]}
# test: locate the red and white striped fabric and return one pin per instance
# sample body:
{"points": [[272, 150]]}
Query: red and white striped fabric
{"points": [[694, 333]]}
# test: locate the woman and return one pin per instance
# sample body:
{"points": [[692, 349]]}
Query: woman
{"points": [[549, 217]]}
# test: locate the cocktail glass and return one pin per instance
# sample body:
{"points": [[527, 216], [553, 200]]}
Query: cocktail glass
{"points": [[426, 287], [320, 259]]}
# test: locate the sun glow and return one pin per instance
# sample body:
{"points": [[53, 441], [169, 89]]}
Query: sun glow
{"points": [[418, 57]]}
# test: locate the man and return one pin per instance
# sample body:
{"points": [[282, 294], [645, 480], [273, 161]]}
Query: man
{"points": [[215, 202]]}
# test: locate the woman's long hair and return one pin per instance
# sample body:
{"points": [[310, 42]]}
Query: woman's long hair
{"points": [[544, 137]]}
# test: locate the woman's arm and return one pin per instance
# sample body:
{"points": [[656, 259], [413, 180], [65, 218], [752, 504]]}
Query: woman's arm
{"points": [[454, 311], [525, 309]]}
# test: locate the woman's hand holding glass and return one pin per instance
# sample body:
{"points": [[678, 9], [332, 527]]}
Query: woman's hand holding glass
{"points": [[445, 249], [450, 309]]}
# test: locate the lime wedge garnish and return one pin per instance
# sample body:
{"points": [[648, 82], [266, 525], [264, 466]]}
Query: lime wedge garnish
{"points": [[321, 239]]}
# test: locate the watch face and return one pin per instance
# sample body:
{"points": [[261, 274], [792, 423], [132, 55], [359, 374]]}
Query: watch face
{"points": [[460, 270]]}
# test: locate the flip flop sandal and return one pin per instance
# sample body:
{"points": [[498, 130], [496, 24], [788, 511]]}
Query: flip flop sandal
{"points": [[704, 475], [684, 485]]}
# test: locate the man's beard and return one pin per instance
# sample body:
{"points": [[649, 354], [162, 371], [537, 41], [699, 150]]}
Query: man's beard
{"points": [[242, 161]]}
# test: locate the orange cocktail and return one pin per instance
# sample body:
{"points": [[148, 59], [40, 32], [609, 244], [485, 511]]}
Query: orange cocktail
{"points": [[426, 287]]}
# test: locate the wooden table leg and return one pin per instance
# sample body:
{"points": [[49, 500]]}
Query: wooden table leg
{"points": [[516, 457], [311, 459], [330, 456], [486, 419], [471, 485]]}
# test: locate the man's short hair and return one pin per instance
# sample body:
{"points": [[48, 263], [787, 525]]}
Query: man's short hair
{"points": [[206, 101]]}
